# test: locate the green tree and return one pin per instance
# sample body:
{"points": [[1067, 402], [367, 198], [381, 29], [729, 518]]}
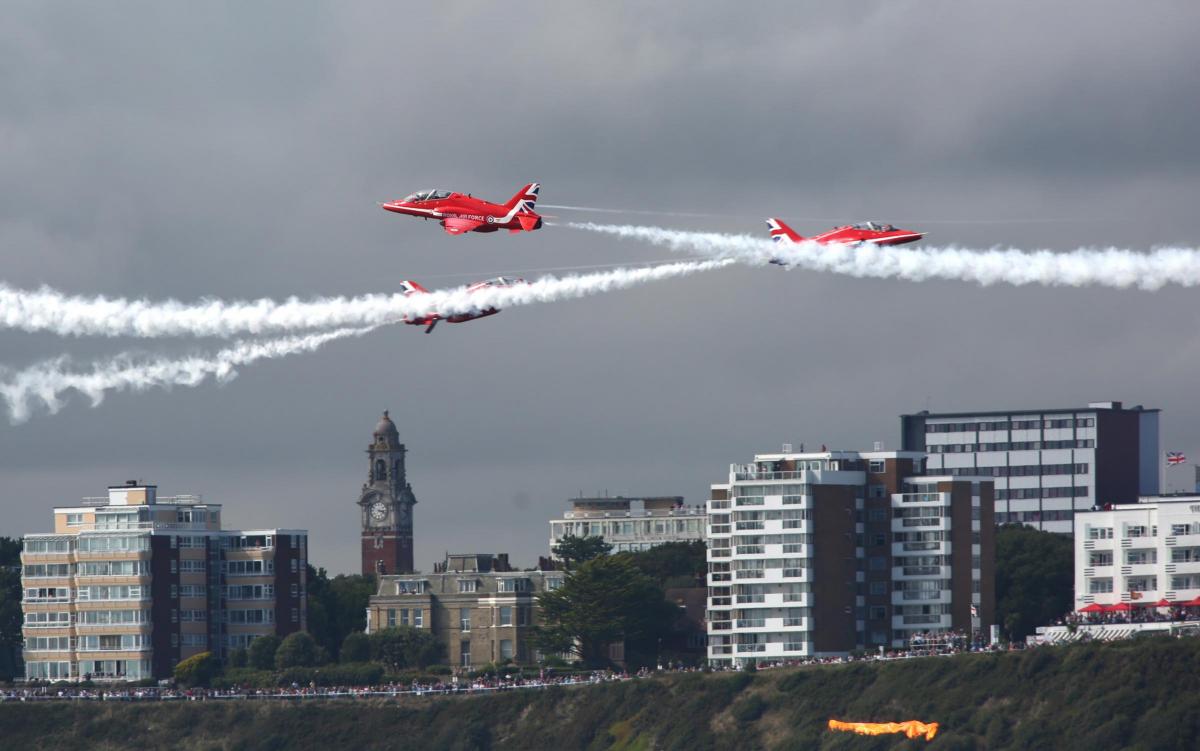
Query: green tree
{"points": [[197, 670], [603, 601], [262, 652], [405, 647], [239, 658], [356, 647], [574, 550], [1034, 578], [337, 606], [673, 564], [298, 650], [10, 608]]}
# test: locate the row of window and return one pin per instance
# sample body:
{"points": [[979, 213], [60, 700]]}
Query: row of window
{"points": [[971, 448], [970, 427], [1026, 517], [1016, 494]]}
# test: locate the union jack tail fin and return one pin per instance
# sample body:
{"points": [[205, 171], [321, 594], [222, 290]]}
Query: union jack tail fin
{"points": [[409, 287], [780, 231], [524, 200]]}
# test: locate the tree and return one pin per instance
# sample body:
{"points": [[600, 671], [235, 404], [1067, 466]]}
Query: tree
{"points": [[356, 647], [197, 670], [239, 658], [405, 647], [262, 652], [574, 550], [298, 650], [603, 601], [673, 564], [337, 606], [10, 608], [1034, 578]]}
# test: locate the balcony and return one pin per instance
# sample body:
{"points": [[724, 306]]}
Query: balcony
{"points": [[756, 573], [751, 550], [922, 595], [940, 522], [752, 623], [940, 571], [751, 648], [755, 476], [921, 498]]}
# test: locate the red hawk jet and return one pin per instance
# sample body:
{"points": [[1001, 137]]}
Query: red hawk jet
{"points": [[429, 320], [850, 234], [461, 213]]}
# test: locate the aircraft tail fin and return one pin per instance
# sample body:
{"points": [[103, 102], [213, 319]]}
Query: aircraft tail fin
{"points": [[780, 231], [409, 287], [524, 200]]}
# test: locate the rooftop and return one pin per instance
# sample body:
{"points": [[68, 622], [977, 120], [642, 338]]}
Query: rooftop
{"points": [[1091, 407]]}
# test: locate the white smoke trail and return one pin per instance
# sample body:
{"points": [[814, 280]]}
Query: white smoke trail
{"points": [[1108, 267], [48, 310], [47, 383]]}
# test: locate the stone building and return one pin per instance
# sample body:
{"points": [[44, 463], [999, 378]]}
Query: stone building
{"points": [[477, 606]]}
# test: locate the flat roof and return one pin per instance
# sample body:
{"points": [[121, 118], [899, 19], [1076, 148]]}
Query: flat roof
{"points": [[1000, 413]]}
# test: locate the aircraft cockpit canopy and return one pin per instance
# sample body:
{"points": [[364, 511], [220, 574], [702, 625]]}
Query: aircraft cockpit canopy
{"points": [[427, 195], [874, 227]]}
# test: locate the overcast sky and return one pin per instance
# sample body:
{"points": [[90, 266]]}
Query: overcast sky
{"points": [[240, 150]]}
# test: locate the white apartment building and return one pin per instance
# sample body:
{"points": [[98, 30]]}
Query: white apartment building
{"points": [[1139, 553], [1046, 465], [815, 554], [631, 524]]}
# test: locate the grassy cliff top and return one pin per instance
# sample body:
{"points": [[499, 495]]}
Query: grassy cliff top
{"points": [[1140, 694]]}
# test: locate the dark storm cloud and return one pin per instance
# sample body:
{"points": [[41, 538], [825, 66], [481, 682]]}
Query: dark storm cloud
{"points": [[237, 151]]}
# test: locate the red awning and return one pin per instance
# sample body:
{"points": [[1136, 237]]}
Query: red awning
{"points": [[1120, 607], [1195, 601], [1095, 607], [1163, 603]]}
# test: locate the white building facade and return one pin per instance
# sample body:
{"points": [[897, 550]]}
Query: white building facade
{"points": [[1139, 553], [1046, 465], [824, 553], [631, 524]]}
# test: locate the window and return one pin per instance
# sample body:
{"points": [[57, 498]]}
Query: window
{"points": [[553, 583], [391, 617], [295, 590], [506, 649], [464, 619], [295, 615], [878, 612], [74, 520], [418, 618], [464, 651], [1098, 586], [294, 565], [878, 588], [505, 615], [875, 466], [467, 585], [403, 616]]}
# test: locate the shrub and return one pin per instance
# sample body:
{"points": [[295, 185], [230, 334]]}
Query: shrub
{"points": [[749, 709], [297, 650], [262, 652], [356, 647], [239, 658], [197, 670]]}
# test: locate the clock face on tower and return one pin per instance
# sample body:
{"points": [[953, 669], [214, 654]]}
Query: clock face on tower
{"points": [[379, 511]]}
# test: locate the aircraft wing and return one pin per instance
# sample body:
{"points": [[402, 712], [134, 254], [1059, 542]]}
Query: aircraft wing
{"points": [[457, 226]]}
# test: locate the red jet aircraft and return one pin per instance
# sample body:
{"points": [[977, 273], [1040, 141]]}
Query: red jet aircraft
{"points": [[850, 234], [461, 213], [429, 320]]}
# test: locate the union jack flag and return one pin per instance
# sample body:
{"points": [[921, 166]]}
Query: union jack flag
{"points": [[1175, 457]]}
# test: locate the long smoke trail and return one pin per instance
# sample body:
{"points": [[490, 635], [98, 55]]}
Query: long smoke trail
{"points": [[1107, 267], [47, 383], [51, 311]]}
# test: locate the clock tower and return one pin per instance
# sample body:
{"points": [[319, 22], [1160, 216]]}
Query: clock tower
{"points": [[386, 504]]}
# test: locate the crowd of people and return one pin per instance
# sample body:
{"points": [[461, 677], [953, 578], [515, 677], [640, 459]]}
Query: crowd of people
{"points": [[1134, 614], [922, 645]]}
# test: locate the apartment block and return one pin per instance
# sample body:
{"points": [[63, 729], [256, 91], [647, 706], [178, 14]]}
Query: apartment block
{"points": [[631, 524], [814, 554], [477, 606], [130, 583], [1046, 464], [1139, 553]]}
